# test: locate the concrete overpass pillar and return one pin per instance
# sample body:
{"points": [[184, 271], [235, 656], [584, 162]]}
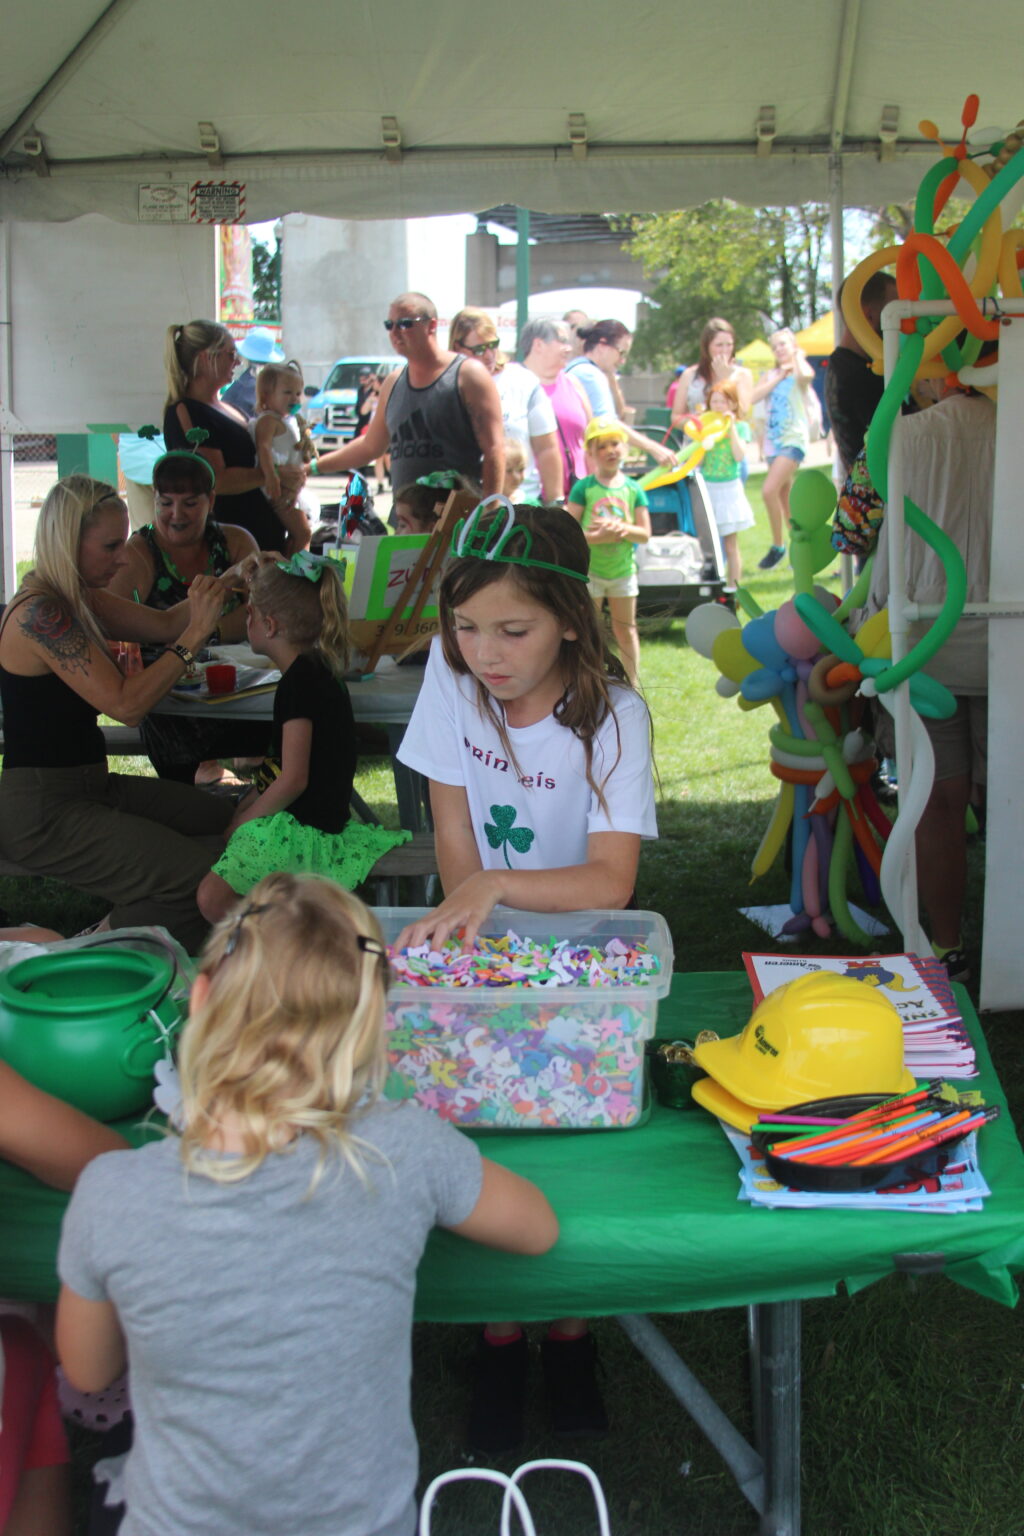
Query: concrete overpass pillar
{"points": [[482, 269]]}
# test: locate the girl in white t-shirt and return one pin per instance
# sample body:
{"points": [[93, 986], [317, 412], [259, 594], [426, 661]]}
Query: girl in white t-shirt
{"points": [[539, 760]]}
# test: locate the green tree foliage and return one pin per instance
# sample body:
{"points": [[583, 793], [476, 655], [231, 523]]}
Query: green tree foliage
{"points": [[759, 267], [266, 281]]}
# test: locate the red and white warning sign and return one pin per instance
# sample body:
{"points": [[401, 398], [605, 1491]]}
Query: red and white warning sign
{"points": [[217, 202]]}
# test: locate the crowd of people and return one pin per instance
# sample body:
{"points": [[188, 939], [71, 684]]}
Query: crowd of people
{"points": [[301, 1182]]}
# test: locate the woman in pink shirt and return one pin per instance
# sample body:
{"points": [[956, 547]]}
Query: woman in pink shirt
{"points": [[546, 348]]}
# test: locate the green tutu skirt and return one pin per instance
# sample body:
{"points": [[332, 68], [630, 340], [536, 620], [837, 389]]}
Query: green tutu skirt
{"points": [[279, 842]]}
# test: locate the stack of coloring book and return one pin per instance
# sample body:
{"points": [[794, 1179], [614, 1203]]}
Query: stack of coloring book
{"points": [[936, 1042], [959, 1187]]}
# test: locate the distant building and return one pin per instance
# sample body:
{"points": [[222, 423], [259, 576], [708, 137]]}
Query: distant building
{"points": [[338, 277]]}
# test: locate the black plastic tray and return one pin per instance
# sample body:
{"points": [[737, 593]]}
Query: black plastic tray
{"points": [[843, 1178]]}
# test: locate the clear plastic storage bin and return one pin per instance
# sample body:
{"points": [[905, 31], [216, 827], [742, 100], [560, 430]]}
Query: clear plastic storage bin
{"points": [[529, 1058]]}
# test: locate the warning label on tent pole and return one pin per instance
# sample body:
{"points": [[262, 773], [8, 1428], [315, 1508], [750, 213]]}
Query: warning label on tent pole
{"points": [[164, 202], [217, 202]]}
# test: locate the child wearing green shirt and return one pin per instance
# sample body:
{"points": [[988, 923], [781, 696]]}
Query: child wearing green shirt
{"points": [[612, 510]]}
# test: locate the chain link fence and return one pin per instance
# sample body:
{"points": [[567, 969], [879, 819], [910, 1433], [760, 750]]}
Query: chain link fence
{"points": [[32, 448]]}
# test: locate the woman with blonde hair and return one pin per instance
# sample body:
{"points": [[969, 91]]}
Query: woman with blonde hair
{"points": [[787, 434], [142, 844], [474, 334], [199, 361], [526, 412], [263, 1259]]}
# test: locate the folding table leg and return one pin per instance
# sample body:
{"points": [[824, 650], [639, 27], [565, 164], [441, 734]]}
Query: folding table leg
{"points": [[410, 788], [742, 1460], [775, 1335]]}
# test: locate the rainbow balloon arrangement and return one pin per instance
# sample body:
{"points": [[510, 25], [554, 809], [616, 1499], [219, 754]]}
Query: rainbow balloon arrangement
{"points": [[819, 751], [708, 429], [802, 658]]}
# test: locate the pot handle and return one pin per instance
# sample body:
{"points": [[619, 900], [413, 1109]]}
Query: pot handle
{"points": [[162, 1033]]}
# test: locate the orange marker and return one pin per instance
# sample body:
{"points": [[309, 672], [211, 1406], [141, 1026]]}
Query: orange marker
{"points": [[897, 1148], [849, 1150]]}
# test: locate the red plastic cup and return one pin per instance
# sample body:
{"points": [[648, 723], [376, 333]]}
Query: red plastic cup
{"points": [[221, 677]]}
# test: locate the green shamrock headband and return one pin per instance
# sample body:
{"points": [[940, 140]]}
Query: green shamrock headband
{"points": [[475, 541], [196, 436], [302, 563], [441, 480]]}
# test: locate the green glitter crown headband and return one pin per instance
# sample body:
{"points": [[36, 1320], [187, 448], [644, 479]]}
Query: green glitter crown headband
{"points": [[472, 540], [441, 480], [196, 436]]}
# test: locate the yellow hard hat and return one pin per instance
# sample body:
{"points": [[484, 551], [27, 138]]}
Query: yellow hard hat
{"points": [[721, 1103], [818, 1036]]}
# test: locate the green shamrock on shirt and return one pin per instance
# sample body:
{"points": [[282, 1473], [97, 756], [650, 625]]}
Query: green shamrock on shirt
{"points": [[503, 832]]}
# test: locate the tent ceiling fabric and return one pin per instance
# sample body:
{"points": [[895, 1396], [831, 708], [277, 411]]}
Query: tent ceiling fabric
{"points": [[482, 95]]}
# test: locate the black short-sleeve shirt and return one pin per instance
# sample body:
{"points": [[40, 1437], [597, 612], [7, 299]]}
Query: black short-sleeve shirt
{"points": [[310, 691]]}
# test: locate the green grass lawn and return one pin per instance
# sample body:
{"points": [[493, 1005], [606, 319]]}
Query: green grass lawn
{"points": [[913, 1400]]}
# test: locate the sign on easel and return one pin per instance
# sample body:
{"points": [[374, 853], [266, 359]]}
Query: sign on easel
{"points": [[391, 585], [376, 572]]}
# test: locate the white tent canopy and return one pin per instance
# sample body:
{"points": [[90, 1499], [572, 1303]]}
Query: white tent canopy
{"points": [[557, 108], [394, 109]]}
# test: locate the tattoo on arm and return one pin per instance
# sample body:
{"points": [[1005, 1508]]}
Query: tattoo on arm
{"points": [[49, 625]]}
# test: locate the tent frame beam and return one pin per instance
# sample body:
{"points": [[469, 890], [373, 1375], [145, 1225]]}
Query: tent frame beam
{"points": [[64, 72], [332, 160]]}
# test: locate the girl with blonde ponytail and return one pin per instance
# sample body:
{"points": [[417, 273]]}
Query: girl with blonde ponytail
{"points": [[259, 1266], [297, 817]]}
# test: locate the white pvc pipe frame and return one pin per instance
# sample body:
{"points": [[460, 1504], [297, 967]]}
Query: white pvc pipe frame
{"points": [[901, 611]]}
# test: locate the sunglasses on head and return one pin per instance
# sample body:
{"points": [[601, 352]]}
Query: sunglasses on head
{"points": [[405, 324], [481, 347]]}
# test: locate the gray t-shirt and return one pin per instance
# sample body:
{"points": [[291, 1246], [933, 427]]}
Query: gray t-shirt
{"points": [[269, 1333]]}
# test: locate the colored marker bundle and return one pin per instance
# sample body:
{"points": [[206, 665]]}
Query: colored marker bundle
{"points": [[916, 1150], [903, 1127]]}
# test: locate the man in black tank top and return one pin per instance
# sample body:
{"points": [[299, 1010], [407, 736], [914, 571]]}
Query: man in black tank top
{"points": [[441, 411]]}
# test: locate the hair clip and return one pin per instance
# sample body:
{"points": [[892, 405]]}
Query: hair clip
{"points": [[250, 911], [302, 563], [475, 540], [373, 947]]}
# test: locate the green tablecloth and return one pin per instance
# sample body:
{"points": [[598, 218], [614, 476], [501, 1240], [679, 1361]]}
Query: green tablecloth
{"points": [[650, 1219]]}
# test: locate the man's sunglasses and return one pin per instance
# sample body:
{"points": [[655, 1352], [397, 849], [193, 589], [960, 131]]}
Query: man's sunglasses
{"points": [[405, 324], [481, 348]]}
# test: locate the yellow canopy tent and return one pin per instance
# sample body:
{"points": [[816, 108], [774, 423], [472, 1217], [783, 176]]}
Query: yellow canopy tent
{"points": [[819, 339], [757, 356]]}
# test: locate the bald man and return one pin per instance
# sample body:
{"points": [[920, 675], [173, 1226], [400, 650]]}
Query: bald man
{"points": [[441, 411]]}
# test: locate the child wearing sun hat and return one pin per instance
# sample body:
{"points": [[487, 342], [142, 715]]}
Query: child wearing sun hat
{"points": [[612, 511]]}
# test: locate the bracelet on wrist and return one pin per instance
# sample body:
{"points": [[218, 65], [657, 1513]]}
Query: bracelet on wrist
{"points": [[314, 466], [185, 656]]}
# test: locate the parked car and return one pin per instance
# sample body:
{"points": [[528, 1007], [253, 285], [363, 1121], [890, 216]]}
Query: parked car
{"points": [[682, 564], [331, 410]]}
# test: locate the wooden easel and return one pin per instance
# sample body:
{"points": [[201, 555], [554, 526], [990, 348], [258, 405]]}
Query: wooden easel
{"points": [[424, 576]]}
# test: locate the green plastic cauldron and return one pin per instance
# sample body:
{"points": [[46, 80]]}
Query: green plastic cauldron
{"points": [[89, 1025]]}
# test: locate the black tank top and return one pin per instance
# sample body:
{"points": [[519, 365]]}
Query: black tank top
{"points": [[47, 724], [249, 509], [429, 428]]}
